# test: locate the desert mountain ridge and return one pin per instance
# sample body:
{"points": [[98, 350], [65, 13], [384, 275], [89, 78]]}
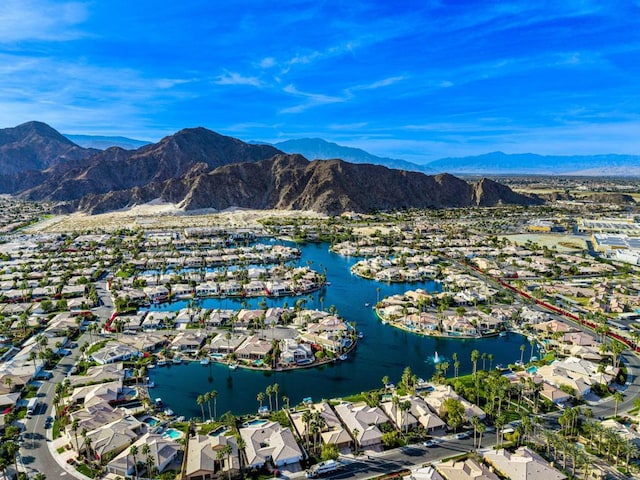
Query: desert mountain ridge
{"points": [[197, 168]]}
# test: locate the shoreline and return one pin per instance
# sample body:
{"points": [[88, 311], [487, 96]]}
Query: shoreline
{"points": [[421, 333]]}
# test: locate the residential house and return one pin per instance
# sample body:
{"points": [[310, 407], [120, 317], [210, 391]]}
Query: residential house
{"points": [[364, 421], [468, 469], [523, 464], [202, 461], [114, 352], [270, 442], [112, 438], [253, 348], [162, 452], [333, 431], [294, 352]]}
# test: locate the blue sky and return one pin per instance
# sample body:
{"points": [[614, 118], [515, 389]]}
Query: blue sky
{"points": [[417, 80]]}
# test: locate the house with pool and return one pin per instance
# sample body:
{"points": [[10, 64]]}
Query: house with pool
{"points": [[162, 450]]}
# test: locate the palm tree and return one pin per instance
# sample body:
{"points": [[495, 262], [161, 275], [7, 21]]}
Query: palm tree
{"points": [[260, 398], [484, 360], [276, 389], [475, 355], [227, 450], [269, 392], [214, 396], [12, 450], [200, 402], [385, 382], [522, 349], [207, 398], [456, 364], [285, 402], [475, 421], [306, 419], [617, 398], [241, 444], [133, 451], [532, 342], [74, 429], [146, 450], [490, 360], [356, 432]]}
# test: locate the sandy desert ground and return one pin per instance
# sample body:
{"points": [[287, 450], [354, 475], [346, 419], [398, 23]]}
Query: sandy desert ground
{"points": [[156, 215]]}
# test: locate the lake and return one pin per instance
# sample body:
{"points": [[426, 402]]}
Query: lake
{"points": [[384, 350]]}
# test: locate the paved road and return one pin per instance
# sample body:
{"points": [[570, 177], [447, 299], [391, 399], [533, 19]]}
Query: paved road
{"points": [[366, 466], [34, 451]]}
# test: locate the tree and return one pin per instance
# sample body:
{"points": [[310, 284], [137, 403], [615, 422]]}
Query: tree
{"points": [[214, 396], [207, 398], [385, 382], [276, 389], [475, 355], [74, 429], [522, 349], [306, 419], [355, 432], [269, 392], [475, 421], [146, 450], [228, 450], [12, 450], [260, 398], [329, 452], [200, 402], [453, 410], [133, 451], [617, 398]]}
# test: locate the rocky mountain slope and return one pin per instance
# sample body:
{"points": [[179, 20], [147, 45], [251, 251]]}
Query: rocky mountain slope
{"points": [[35, 146], [197, 168], [118, 169], [291, 182]]}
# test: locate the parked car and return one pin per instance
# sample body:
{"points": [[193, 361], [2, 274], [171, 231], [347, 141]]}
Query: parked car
{"points": [[462, 435], [430, 443]]}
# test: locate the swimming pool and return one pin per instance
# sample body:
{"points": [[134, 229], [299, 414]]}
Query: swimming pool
{"points": [[532, 370], [254, 423], [172, 433], [218, 431], [151, 421]]}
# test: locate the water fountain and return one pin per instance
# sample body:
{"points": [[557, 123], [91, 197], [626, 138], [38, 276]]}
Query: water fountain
{"points": [[436, 358]]}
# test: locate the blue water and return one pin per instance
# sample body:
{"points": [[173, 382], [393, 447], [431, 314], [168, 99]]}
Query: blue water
{"points": [[383, 351]]}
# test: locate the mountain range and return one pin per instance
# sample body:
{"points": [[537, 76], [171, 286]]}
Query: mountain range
{"points": [[103, 142], [318, 149], [196, 168], [497, 163]]}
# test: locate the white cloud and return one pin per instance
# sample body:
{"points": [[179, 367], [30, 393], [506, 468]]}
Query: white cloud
{"points": [[233, 78], [312, 100], [267, 62], [40, 20]]}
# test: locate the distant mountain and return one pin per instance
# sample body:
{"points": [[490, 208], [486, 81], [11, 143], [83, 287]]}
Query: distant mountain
{"points": [[118, 169], [35, 146], [316, 148], [291, 182], [102, 142], [197, 168], [529, 163]]}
